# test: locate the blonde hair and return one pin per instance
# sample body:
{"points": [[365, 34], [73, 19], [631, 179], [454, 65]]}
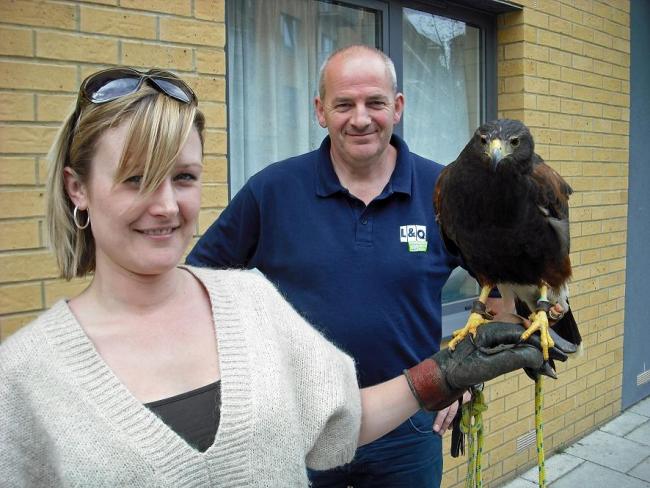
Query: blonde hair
{"points": [[158, 128]]}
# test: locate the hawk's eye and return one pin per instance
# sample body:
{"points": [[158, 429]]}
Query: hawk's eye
{"points": [[483, 139], [514, 142]]}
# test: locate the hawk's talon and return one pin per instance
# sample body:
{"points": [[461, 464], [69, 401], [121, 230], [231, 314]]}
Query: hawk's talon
{"points": [[540, 323], [474, 321]]}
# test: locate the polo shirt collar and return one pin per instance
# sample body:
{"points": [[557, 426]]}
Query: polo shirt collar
{"points": [[327, 182]]}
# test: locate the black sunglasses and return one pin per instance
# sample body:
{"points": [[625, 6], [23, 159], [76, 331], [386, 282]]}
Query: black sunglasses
{"points": [[113, 83]]}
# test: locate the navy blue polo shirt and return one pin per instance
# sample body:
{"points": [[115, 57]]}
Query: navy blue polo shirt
{"points": [[368, 277]]}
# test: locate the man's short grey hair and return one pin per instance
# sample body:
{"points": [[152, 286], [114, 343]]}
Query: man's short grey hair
{"points": [[390, 67]]}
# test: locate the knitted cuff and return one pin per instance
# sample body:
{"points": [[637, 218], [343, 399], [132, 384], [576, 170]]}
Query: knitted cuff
{"points": [[429, 387]]}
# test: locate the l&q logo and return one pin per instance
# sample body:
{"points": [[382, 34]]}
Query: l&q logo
{"points": [[415, 236]]}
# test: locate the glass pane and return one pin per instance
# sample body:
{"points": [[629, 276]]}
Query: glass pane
{"points": [[274, 52], [441, 84]]}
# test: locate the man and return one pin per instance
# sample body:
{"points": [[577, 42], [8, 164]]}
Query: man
{"points": [[348, 234]]}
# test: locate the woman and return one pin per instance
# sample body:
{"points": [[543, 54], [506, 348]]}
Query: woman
{"points": [[164, 375]]}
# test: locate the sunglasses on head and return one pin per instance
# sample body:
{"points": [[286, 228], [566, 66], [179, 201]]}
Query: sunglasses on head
{"points": [[113, 83]]}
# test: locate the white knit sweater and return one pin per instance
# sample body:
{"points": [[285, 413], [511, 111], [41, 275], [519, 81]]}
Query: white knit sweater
{"points": [[289, 400]]}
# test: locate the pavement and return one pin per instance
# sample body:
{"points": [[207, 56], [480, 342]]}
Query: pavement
{"points": [[617, 455]]}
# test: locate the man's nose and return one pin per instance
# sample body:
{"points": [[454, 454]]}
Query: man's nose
{"points": [[361, 116]]}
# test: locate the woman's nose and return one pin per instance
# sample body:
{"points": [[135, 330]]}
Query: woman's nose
{"points": [[164, 200]]}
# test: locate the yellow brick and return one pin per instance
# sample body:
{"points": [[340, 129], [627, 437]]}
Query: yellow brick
{"points": [[552, 39], [592, 109], [160, 56], [536, 52], [571, 76], [37, 76], [536, 18], [216, 142], [591, 79], [616, 30], [557, 24], [19, 235], [593, 51], [510, 34], [547, 70], [215, 196], [54, 108], [10, 324], [117, 23], [210, 10], [208, 88], [38, 13], [620, 17], [42, 170], [571, 14], [212, 61], [192, 32], [583, 33], [536, 119], [26, 139], [27, 266], [20, 298], [15, 106], [215, 170], [74, 47], [621, 45], [511, 68], [560, 89], [59, 289], [536, 85], [581, 62], [593, 21], [621, 72], [514, 51], [23, 203], [176, 7], [17, 171], [548, 104], [215, 114], [206, 218], [16, 42]]}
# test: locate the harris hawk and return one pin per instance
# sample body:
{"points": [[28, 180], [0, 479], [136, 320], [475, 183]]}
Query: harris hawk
{"points": [[506, 213]]}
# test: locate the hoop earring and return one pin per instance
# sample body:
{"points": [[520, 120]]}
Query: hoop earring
{"points": [[74, 218]]}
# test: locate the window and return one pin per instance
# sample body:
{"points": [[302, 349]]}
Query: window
{"points": [[445, 62]]}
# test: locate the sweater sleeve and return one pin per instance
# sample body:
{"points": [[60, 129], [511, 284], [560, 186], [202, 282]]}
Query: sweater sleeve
{"points": [[26, 449], [326, 387]]}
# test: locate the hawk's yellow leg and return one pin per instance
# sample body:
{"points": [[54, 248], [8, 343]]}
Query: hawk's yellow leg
{"points": [[539, 323], [473, 322]]}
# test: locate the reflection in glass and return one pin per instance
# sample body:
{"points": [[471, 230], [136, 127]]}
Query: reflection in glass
{"points": [[274, 52], [441, 84]]}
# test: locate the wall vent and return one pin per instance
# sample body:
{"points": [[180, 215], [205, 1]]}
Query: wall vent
{"points": [[643, 378], [526, 440]]}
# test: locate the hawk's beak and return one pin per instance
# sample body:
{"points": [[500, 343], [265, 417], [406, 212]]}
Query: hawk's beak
{"points": [[496, 153]]}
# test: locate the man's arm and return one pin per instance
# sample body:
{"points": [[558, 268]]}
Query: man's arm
{"points": [[232, 239]]}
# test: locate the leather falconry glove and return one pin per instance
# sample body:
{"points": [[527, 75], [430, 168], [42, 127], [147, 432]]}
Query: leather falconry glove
{"points": [[497, 349]]}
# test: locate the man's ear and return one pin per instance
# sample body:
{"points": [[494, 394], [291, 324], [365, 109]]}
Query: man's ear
{"points": [[320, 112], [399, 108], [75, 188]]}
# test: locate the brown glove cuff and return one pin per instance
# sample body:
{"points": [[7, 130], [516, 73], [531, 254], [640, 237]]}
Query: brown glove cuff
{"points": [[429, 387]]}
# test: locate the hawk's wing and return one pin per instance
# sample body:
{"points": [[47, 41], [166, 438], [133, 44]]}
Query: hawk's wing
{"points": [[553, 199]]}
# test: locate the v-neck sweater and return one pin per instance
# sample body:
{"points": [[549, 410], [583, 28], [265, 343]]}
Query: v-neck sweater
{"points": [[290, 400]]}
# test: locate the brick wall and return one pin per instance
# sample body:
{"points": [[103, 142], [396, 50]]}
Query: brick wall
{"points": [[46, 49], [563, 69]]}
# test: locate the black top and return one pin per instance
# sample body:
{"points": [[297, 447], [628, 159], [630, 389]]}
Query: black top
{"points": [[193, 415]]}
